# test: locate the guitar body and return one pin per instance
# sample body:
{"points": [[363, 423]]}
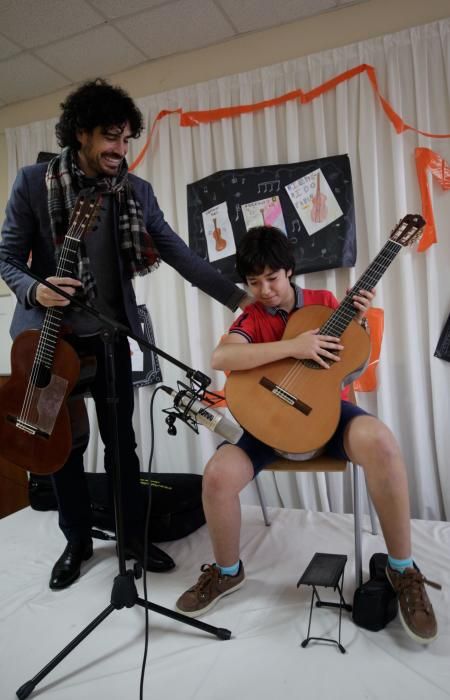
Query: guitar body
{"points": [[305, 428], [38, 439]]}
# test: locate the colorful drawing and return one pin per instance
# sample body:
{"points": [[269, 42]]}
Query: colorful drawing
{"points": [[264, 212], [218, 232], [314, 201]]}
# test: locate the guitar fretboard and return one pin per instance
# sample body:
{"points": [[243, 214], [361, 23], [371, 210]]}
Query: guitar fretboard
{"points": [[83, 215], [45, 351], [340, 319]]}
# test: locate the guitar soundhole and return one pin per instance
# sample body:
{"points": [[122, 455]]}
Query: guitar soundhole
{"points": [[311, 364], [43, 376]]}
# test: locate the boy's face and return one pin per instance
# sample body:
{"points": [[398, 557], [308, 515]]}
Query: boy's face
{"points": [[273, 288]]}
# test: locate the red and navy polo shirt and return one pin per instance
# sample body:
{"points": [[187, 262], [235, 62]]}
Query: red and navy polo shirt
{"points": [[262, 324]]}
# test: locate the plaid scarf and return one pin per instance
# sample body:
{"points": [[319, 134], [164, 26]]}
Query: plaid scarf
{"points": [[64, 181]]}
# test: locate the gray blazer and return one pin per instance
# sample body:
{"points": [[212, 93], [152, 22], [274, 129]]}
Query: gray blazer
{"points": [[27, 230]]}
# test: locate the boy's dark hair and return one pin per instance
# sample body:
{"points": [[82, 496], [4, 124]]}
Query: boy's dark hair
{"points": [[96, 103], [261, 247]]}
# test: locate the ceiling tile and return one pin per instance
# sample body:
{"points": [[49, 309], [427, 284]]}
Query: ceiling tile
{"points": [[109, 36], [180, 26], [119, 8], [98, 52], [7, 48], [33, 23], [254, 15], [24, 77]]}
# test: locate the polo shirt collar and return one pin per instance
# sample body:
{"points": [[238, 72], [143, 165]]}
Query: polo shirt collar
{"points": [[298, 303]]}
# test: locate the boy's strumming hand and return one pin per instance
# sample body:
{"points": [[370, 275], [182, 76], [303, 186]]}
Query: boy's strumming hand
{"points": [[320, 348]]}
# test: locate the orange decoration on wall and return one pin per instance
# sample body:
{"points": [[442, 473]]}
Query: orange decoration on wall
{"points": [[206, 116], [428, 160], [367, 381], [425, 158]]}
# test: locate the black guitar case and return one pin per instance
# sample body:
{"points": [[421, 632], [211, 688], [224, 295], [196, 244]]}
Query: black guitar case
{"points": [[176, 502]]}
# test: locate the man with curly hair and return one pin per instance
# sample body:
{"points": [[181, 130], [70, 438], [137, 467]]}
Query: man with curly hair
{"points": [[95, 125]]}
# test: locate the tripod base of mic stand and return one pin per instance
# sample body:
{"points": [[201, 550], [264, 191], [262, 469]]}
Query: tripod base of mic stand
{"points": [[123, 595]]}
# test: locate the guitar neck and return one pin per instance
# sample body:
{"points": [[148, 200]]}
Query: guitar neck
{"points": [[51, 326], [344, 314]]}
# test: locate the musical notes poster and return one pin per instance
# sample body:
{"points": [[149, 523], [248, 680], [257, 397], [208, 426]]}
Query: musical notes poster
{"points": [[311, 202]]}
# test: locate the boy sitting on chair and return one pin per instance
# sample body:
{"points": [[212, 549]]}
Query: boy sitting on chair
{"points": [[265, 262]]}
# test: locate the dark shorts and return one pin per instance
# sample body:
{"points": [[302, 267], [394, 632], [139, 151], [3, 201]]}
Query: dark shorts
{"points": [[261, 455]]}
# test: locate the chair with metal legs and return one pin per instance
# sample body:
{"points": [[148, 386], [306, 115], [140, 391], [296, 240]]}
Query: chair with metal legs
{"points": [[367, 382], [327, 464], [322, 463]]}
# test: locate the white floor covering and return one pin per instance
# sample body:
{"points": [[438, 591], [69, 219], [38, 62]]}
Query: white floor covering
{"points": [[268, 618]]}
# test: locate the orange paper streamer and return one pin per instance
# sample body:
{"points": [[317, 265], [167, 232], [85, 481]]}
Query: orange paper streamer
{"points": [[206, 116], [428, 160], [367, 381]]}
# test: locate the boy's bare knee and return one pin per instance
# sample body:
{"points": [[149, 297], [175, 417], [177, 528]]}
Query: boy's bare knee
{"points": [[371, 442], [214, 477], [383, 444], [227, 472]]}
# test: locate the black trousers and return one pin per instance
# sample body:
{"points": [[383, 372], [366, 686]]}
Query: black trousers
{"points": [[69, 483]]}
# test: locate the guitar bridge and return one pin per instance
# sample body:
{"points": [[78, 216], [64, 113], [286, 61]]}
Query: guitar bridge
{"points": [[26, 427], [285, 396]]}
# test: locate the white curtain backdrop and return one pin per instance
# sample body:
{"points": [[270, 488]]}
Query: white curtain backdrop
{"points": [[413, 69]]}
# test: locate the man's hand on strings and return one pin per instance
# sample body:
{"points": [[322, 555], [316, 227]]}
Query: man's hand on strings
{"points": [[47, 297]]}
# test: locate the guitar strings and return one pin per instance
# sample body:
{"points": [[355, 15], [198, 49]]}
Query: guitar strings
{"points": [[345, 312], [44, 354], [333, 325], [43, 339], [341, 317]]}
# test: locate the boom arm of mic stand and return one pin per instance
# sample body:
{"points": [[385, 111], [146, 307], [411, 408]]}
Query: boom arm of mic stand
{"points": [[195, 375]]}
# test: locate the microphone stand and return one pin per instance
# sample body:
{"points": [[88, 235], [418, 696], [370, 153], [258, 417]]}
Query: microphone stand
{"points": [[124, 592]]}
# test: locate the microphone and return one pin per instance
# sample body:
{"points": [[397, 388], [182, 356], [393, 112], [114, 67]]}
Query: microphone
{"points": [[202, 413]]}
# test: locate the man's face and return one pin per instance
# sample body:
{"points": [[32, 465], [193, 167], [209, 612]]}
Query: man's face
{"points": [[272, 288], [103, 149]]}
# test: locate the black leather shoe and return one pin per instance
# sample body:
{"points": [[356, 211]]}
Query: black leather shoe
{"points": [[157, 560], [67, 568]]}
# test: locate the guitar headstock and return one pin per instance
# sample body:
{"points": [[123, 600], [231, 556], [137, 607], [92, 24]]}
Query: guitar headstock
{"points": [[84, 213], [408, 230]]}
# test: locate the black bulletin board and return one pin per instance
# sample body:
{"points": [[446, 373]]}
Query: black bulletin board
{"points": [[235, 191]]}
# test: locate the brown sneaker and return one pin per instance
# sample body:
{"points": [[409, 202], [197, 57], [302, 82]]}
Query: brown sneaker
{"points": [[210, 587], [415, 609]]}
